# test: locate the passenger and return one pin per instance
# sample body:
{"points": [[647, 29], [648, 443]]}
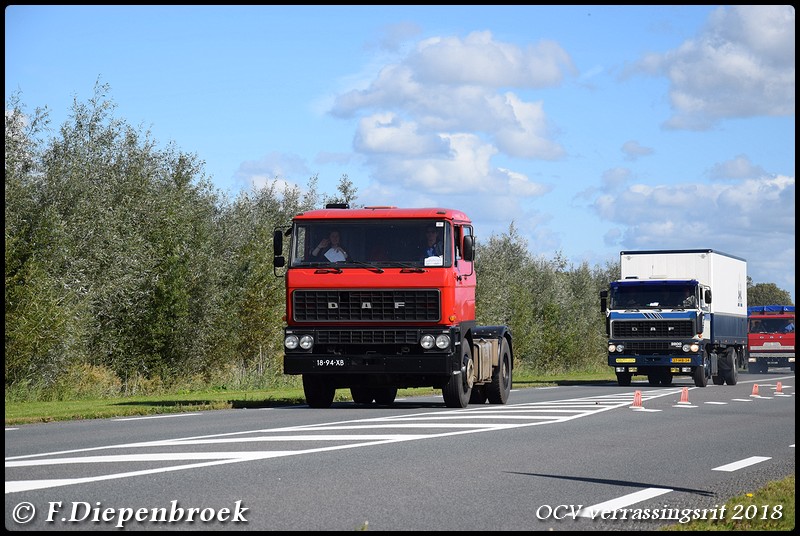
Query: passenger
{"points": [[433, 247]]}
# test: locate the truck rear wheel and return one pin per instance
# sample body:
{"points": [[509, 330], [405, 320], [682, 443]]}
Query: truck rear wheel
{"points": [[730, 372], [457, 392], [500, 388], [318, 390]]}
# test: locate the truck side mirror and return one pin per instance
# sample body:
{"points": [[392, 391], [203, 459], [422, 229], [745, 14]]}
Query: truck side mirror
{"points": [[603, 301], [278, 261], [469, 248], [708, 295]]}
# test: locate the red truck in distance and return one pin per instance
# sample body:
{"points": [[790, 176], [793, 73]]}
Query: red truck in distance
{"points": [[770, 337]]}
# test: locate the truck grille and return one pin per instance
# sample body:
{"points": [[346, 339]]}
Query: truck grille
{"points": [[368, 336], [652, 329], [366, 305]]}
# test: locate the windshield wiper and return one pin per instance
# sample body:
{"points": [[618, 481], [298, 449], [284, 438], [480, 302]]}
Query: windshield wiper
{"points": [[368, 266], [328, 271]]}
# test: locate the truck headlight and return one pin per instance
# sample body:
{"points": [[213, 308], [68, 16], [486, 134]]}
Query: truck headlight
{"points": [[616, 347], [306, 342], [443, 342], [291, 342], [693, 348], [427, 341]]}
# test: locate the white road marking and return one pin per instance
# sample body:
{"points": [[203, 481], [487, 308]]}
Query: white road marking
{"points": [[621, 502], [747, 462]]}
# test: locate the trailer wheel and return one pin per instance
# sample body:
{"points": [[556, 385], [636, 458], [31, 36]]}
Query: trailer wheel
{"points": [[500, 388], [701, 373], [731, 375], [384, 396], [624, 378], [318, 390], [362, 394], [457, 391]]}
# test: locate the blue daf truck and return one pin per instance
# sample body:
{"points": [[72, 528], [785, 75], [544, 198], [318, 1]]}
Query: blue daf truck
{"points": [[677, 313]]}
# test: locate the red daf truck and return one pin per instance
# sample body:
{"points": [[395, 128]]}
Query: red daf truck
{"points": [[382, 298], [770, 337]]}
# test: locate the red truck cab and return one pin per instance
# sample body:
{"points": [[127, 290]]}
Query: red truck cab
{"points": [[770, 337], [381, 298]]}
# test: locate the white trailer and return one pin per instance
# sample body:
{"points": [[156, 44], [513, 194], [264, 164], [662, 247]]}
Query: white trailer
{"points": [[677, 312]]}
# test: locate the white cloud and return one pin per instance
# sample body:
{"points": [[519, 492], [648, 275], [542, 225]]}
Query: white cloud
{"points": [[741, 65], [737, 168], [753, 218], [634, 150]]}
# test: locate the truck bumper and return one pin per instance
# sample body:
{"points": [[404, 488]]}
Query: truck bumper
{"points": [[368, 364], [680, 364], [783, 359]]}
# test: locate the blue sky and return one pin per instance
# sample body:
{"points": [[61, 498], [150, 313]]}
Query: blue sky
{"points": [[593, 129]]}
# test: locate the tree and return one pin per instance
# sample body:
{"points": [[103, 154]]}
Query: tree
{"points": [[766, 294]]}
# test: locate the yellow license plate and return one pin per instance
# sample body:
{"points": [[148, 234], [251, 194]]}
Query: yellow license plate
{"points": [[626, 360], [681, 360]]}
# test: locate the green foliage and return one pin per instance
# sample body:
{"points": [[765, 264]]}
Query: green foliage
{"points": [[766, 294]]}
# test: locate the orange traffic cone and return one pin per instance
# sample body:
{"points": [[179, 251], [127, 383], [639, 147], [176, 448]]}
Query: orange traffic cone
{"points": [[755, 390], [779, 389], [684, 396], [637, 400]]}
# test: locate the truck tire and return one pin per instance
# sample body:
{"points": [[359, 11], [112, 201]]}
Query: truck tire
{"points": [[318, 390], [384, 396], [362, 394], [624, 378], [500, 388], [731, 371], [457, 392], [700, 373]]}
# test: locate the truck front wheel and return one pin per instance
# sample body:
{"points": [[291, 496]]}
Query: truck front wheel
{"points": [[457, 392], [700, 373], [384, 396], [362, 394], [624, 378], [318, 390]]}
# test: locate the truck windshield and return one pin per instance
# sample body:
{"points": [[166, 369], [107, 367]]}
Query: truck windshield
{"points": [[771, 325], [653, 296], [380, 243]]}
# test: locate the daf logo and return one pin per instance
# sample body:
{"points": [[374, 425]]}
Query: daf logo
{"points": [[333, 305], [399, 304], [366, 305]]}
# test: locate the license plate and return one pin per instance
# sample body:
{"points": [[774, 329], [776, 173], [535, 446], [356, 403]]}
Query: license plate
{"points": [[681, 359], [330, 362]]}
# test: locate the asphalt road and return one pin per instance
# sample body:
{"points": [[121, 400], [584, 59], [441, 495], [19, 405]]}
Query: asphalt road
{"points": [[583, 457]]}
